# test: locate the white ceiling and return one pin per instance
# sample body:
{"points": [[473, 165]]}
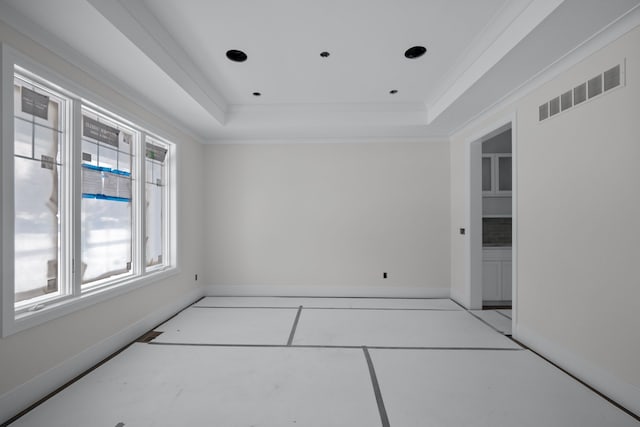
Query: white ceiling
{"points": [[171, 55]]}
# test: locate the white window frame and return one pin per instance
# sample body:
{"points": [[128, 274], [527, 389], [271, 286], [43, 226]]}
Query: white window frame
{"points": [[169, 202], [14, 321]]}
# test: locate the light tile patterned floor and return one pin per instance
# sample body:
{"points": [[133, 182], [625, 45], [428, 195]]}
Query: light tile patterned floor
{"points": [[331, 362]]}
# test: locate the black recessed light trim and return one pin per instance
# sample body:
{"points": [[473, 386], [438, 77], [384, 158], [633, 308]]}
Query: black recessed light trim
{"points": [[393, 91], [415, 52], [236, 55], [257, 94], [325, 54]]}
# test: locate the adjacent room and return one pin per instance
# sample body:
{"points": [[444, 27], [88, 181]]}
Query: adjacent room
{"points": [[319, 213]]}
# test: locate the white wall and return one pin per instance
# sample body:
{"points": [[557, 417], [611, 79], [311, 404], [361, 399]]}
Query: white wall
{"points": [[328, 219], [578, 206], [40, 350]]}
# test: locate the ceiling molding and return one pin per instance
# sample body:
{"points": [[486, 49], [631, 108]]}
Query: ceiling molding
{"points": [[604, 37], [44, 38], [520, 26], [137, 23], [331, 108], [336, 140]]}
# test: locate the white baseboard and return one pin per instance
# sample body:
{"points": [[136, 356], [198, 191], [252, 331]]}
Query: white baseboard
{"points": [[327, 291], [625, 394], [21, 397]]}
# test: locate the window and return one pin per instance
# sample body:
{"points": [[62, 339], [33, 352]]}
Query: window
{"points": [[156, 210], [41, 140], [107, 203], [88, 201]]}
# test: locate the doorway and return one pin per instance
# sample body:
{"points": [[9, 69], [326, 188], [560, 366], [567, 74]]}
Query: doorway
{"points": [[492, 217]]}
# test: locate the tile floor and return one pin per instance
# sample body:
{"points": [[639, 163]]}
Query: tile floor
{"points": [[328, 362]]}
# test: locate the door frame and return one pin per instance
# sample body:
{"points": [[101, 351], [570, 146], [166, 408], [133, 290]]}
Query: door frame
{"points": [[473, 212]]}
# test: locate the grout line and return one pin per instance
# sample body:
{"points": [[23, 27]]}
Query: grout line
{"points": [[376, 388], [334, 308], [88, 371], [594, 390], [247, 307], [316, 296], [345, 347], [485, 322], [460, 305], [293, 328], [381, 309], [502, 314]]}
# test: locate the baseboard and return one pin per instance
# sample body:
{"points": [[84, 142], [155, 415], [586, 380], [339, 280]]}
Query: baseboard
{"points": [[327, 291], [21, 397], [621, 392]]}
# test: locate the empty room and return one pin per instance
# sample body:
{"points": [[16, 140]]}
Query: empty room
{"points": [[320, 213]]}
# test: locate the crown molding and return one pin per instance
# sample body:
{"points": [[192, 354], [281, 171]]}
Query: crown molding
{"points": [[598, 41], [520, 25], [27, 28], [134, 20]]}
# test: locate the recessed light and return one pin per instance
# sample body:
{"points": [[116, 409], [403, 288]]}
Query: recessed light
{"points": [[325, 54], [257, 94], [393, 91], [415, 52], [236, 55]]}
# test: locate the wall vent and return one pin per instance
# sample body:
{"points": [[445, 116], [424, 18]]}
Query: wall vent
{"points": [[592, 88], [579, 94]]}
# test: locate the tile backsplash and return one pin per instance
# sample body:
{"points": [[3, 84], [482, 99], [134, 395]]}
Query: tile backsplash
{"points": [[496, 231]]}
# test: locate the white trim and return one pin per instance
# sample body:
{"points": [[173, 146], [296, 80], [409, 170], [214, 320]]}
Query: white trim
{"points": [[27, 28], [6, 187], [327, 291], [514, 220], [333, 140], [598, 41], [69, 305], [140, 27], [624, 393], [519, 28], [24, 395], [472, 298]]}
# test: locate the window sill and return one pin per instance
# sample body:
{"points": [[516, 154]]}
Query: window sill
{"points": [[67, 306]]}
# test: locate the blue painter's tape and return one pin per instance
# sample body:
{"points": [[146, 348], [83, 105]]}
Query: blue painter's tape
{"points": [[119, 172], [105, 169], [103, 197]]}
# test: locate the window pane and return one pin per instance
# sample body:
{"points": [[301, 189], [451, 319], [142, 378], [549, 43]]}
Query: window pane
{"points": [[23, 138], [107, 210], [504, 169], [45, 143], [155, 235], [486, 174], [89, 153], [107, 157], [156, 193], [37, 199], [36, 229], [106, 239]]}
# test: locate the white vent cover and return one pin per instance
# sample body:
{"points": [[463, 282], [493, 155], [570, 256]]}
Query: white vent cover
{"points": [[595, 86]]}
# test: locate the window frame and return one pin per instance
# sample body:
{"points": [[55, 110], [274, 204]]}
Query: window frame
{"points": [[13, 321]]}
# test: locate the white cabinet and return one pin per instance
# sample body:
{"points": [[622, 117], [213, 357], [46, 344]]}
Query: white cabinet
{"points": [[496, 274], [496, 174]]}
